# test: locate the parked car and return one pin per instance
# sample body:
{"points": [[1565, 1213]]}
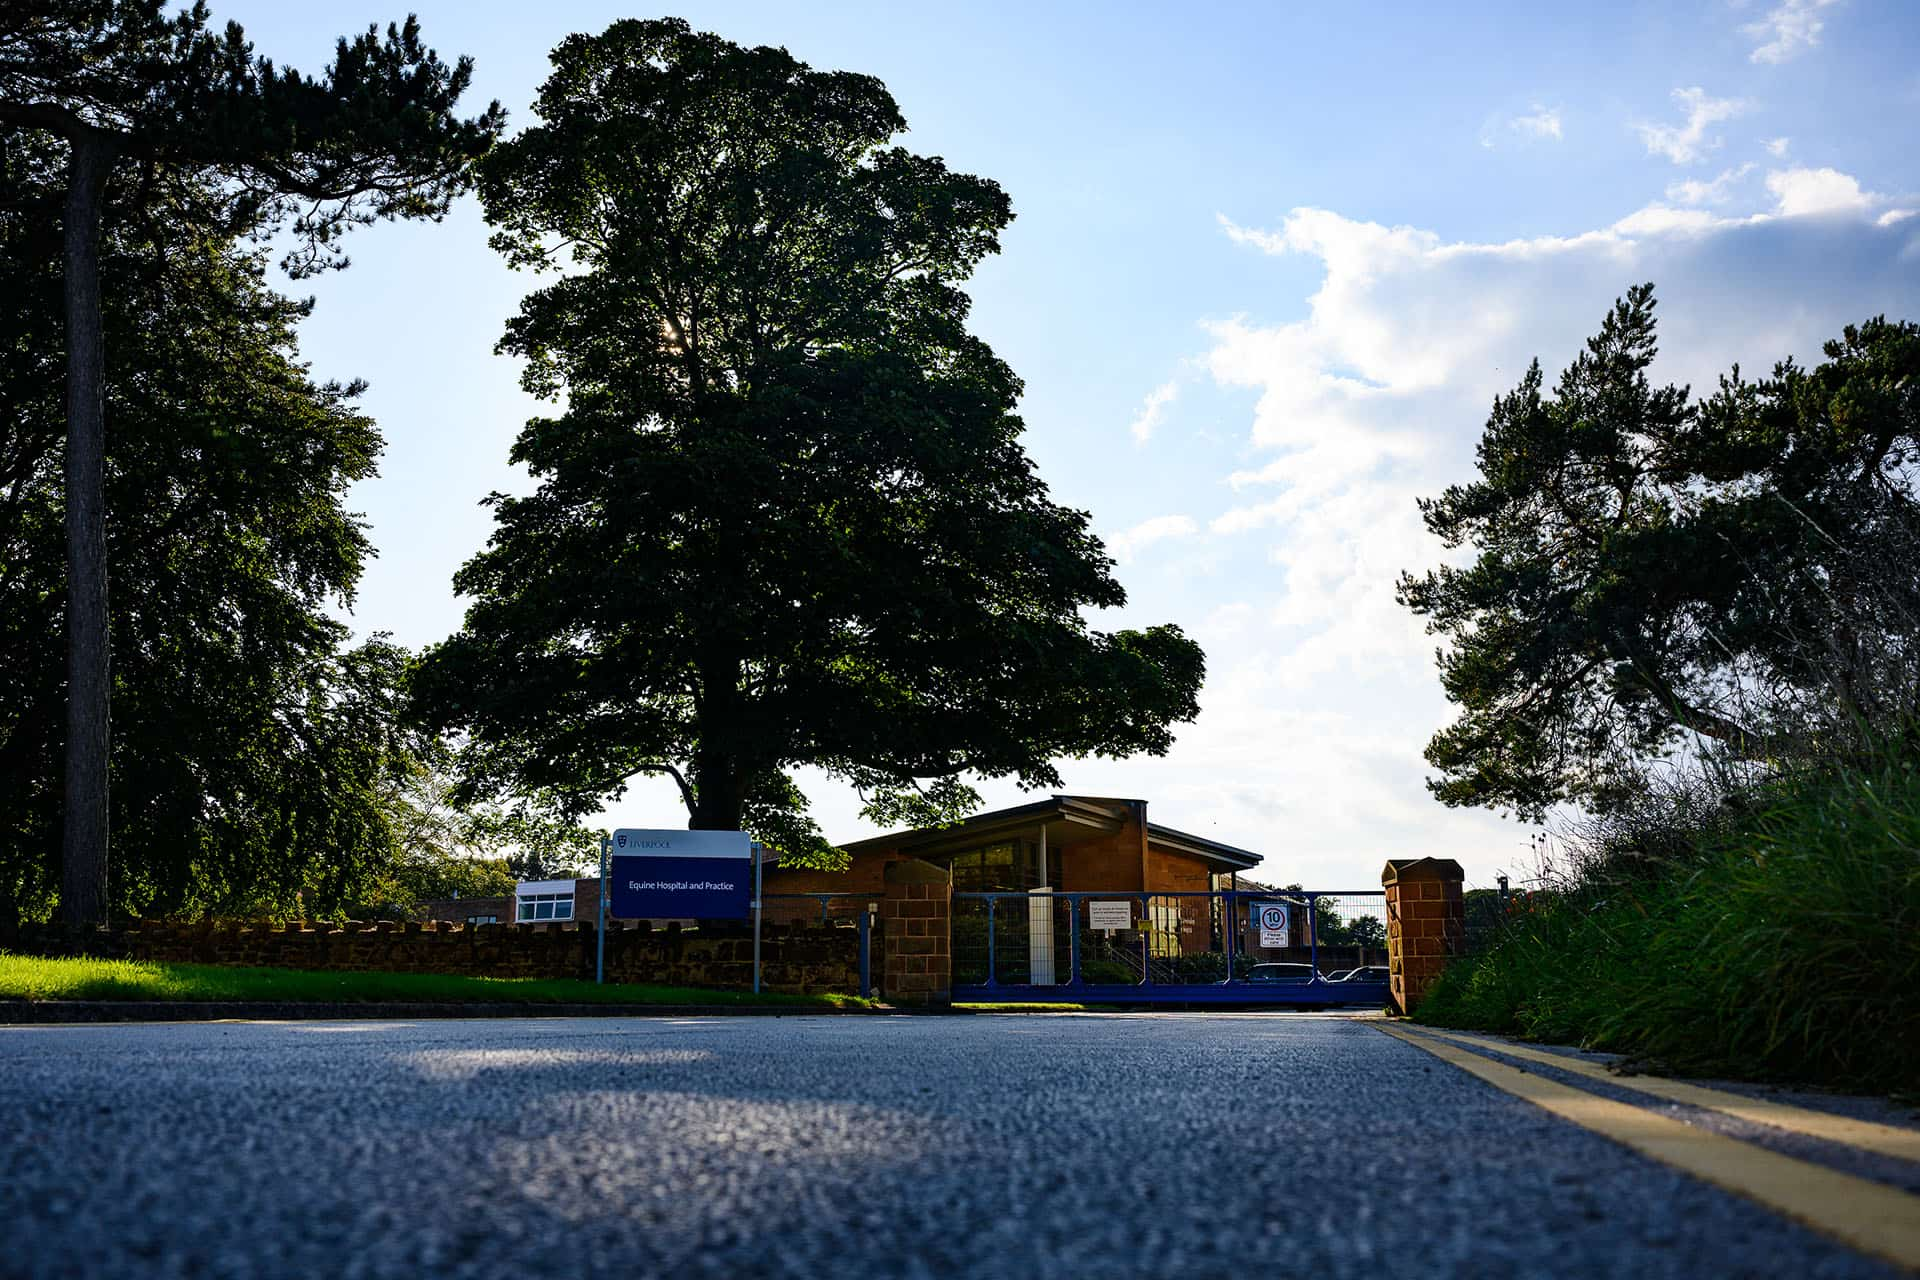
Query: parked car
{"points": [[1338, 975], [1281, 973], [1366, 973]]}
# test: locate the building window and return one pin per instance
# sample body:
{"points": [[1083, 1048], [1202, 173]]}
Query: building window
{"points": [[483, 919], [1163, 926], [546, 906], [1009, 867]]}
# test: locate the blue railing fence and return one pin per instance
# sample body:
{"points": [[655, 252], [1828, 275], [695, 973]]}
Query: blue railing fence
{"points": [[1168, 943]]}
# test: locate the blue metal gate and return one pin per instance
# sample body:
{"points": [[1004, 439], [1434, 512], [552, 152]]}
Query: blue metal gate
{"points": [[1230, 947]]}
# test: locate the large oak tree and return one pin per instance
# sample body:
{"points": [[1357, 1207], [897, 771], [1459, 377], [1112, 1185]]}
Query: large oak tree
{"points": [[784, 517], [219, 135]]}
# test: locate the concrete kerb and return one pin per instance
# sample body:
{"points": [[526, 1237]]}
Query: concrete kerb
{"points": [[46, 1012]]}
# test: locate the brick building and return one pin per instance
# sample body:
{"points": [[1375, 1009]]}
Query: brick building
{"points": [[1071, 844], [469, 911]]}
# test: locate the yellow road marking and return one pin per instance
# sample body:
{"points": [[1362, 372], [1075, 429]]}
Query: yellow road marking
{"points": [[1884, 1139], [1868, 1216]]}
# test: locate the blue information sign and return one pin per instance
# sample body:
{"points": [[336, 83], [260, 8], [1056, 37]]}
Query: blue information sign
{"points": [[682, 875]]}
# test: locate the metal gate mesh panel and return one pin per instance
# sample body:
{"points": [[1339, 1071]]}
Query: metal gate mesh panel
{"points": [[1210, 945]]}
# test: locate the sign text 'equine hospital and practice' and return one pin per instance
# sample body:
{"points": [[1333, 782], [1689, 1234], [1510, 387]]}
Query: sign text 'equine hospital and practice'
{"points": [[681, 875]]}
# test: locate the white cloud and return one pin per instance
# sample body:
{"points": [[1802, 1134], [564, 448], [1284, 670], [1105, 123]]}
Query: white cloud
{"points": [[1688, 143], [1811, 192], [1128, 543], [1717, 191], [1892, 216], [1777, 147], [1536, 124], [1788, 29], [1151, 410], [1541, 122], [1260, 514], [1376, 396], [1664, 220]]}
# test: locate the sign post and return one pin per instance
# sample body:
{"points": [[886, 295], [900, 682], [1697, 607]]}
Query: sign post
{"points": [[600, 931], [756, 917]]}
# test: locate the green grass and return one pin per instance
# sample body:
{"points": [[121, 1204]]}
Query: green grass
{"points": [[35, 978], [1032, 1006], [1787, 949]]}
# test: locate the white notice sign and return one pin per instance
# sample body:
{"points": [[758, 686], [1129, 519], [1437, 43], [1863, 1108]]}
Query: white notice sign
{"points": [[1273, 924], [1109, 915]]}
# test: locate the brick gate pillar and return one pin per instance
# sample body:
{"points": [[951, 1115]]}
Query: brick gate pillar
{"points": [[917, 930], [1426, 924]]}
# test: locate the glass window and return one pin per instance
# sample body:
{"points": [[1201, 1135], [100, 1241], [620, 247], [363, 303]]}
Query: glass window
{"points": [[1008, 867], [544, 906], [1164, 927]]}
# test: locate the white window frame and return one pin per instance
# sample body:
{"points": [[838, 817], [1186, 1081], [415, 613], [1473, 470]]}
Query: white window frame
{"points": [[529, 896]]}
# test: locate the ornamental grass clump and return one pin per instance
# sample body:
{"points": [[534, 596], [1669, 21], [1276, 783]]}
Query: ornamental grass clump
{"points": [[1785, 946]]}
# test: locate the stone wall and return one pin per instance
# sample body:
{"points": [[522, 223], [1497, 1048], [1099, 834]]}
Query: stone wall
{"points": [[793, 958]]}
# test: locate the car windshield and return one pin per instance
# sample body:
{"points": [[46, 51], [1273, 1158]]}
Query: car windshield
{"points": [[1279, 973]]}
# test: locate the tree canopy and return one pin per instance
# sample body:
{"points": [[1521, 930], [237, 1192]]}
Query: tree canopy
{"points": [[239, 140], [222, 138], [1647, 567], [784, 517], [249, 745]]}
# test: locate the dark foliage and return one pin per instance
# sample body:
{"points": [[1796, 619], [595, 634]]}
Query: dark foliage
{"points": [[247, 745], [1650, 571], [785, 517], [221, 139]]}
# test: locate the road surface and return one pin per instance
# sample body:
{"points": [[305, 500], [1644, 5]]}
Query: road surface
{"points": [[1063, 1145]]}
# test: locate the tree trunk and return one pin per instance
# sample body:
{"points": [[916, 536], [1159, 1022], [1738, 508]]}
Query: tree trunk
{"points": [[83, 886], [719, 792], [719, 776]]}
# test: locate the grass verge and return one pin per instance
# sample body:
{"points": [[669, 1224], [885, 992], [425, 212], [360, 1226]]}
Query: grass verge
{"points": [[1031, 1006], [37, 978], [1786, 948]]}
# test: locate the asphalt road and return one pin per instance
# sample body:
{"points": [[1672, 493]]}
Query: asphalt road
{"points": [[1148, 1145]]}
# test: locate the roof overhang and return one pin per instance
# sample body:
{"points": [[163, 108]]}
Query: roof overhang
{"points": [[1220, 857], [1063, 818], [527, 888]]}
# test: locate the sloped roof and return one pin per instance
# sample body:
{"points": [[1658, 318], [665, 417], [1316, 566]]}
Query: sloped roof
{"points": [[1063, 816]]}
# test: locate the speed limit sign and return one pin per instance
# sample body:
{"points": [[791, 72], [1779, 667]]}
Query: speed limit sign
{"points": [[1272, 919]]}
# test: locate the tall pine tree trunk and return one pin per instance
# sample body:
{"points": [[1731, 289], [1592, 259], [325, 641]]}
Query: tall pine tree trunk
{"points": [[83, 886]]}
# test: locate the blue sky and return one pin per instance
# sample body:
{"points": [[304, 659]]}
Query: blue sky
{"points": [[1270, 265]]}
